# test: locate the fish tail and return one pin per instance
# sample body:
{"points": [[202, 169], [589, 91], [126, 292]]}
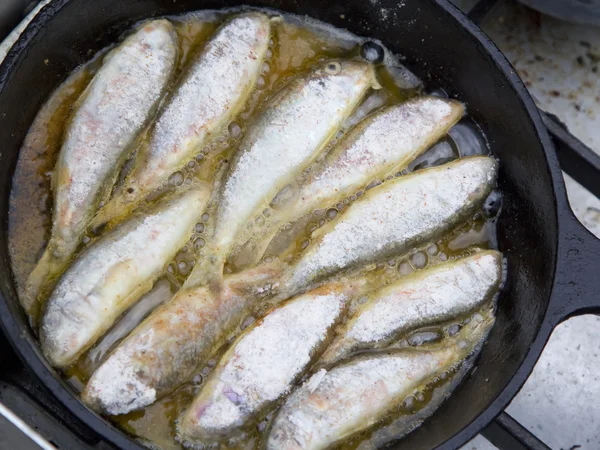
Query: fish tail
{"points": [[118, 208], [208, 271], [253, 250]]}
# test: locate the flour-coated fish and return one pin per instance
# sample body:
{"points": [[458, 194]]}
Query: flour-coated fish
{"points": [[109, 115], [441, 293], [113, 272], [213, 89], [264, 362], [382, 144], [334, 405]]}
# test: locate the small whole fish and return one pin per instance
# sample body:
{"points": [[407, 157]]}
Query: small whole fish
{"points": [[334, 405], [383, 143], [111, 274], [391, 218], [211, 92], [294, 127], [424, 298], [174, 342], [109, 115], [169, 346], [264, 362]]}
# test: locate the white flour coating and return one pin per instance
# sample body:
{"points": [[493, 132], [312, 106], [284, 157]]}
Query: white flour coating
{"points": [[112, 110], [111, 274], [117, 383], [286, 137], [177, 338], [263, 364], [394, 215], [437, 294], [351, 397], [389, 140], [213, 90]]}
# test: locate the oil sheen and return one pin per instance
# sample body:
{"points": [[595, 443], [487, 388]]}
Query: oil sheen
{"points": [[296, 45]]}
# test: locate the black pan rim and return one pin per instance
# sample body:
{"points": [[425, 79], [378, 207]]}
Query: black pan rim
{"points": [[28, 350]]}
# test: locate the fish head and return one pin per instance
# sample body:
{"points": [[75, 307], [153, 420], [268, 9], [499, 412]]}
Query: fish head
{"points": [[350, 76]]}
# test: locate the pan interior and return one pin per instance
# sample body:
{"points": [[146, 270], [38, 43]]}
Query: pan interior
{"points": [[440, 51]]}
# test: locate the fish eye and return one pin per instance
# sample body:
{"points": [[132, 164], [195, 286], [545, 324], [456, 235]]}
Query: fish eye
{"points": [[333, 68]]}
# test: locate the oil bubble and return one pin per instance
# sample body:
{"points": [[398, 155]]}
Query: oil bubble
{"points": [[234, 129], [182, 266], [443, 257], [260, 221], [199, 227], [247, 322], [311, 227], [265, 67], [419, 260], [199, 157], [420, 397], [261, 82], [453, 329], [205, 217], [176, 179], [468, 138], [361, 301], [424, 337], [191, 164], [432, 250], [404, 268], [409, 403], [372, 52], [199, 243], [304, 244]]}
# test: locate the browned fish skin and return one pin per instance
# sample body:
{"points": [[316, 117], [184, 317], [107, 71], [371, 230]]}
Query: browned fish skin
{"points": [[173, 342]]}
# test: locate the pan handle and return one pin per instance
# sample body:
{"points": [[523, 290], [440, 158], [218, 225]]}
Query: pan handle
{"points": [[576, 288]]}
